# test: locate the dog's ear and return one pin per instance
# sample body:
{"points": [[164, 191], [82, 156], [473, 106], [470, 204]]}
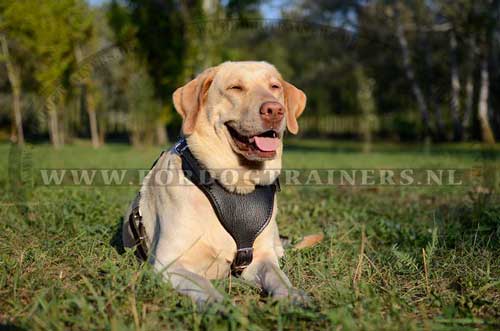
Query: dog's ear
{"points": [[189, 99], [295, 103]]}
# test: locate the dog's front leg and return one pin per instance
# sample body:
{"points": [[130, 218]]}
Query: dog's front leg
{"points": [[267, 274], [198, 288]]}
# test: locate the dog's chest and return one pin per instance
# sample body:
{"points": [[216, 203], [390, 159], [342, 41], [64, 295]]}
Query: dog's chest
{"points": [[194, 229]]}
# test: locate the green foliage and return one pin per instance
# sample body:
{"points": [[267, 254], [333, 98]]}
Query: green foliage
{"points": [[404, 260], [320, 46], [48, 30], [158, 28], [430, 249], [164, 52], [144, 109]]}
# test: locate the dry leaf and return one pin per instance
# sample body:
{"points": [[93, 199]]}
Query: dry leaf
{"points": [[310, 241]]}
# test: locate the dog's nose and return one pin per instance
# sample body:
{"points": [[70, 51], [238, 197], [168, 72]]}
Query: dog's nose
{"points": [[271, 113]]}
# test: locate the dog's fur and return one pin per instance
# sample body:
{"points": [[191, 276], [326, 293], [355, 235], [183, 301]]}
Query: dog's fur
{"points": [[187, 243]]}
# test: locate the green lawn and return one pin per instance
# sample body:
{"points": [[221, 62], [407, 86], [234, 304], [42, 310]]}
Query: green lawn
{"points": [[60, 271]]}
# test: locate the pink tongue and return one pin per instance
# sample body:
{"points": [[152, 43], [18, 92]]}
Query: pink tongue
{"points": [[267, 144]]}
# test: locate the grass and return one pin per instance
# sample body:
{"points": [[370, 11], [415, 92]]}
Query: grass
{"points": [[392, 259]]}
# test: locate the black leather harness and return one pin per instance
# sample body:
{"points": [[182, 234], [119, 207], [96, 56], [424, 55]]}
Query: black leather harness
{"points": [[243, 216]]}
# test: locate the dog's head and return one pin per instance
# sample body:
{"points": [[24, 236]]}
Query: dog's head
{"points": [[240, 108]]}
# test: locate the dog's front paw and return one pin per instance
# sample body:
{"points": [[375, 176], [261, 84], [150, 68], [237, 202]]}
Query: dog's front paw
{"points": [[296, 296], [207, 300], [299, 297]]}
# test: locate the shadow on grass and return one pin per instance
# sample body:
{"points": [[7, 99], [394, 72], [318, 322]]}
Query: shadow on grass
{"points": [[10, 327], [117, 240], [461, 222], [477, 224]]}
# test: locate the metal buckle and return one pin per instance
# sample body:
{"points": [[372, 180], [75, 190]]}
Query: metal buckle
{"points": [[242, 259], [179, 144]]}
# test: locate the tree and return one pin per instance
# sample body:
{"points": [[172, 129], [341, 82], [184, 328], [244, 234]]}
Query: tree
{"points": [[64, 25], [367, 105], [409, 71], [15, 53], [469, 86], [490, 13], [158, 28], [48, 31], [14, 76], [89, 94], [486, 131], [144, 109], [455, 88], [87, 46], [162, 35]]}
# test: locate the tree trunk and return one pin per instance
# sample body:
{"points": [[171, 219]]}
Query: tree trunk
{"points": [[486, 131], [367, 105], [469, 103], [13, 130], [455, 89], [429, 92], [469, 89], [102, 132], [135, 138], [53, 125], [89, 102], [62, 129], [410, 75], [94, 134], [161, 134], [16, 105], [13, 73]]}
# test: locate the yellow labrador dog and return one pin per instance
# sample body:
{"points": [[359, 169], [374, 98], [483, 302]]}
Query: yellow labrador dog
{"points": [[234, 117]]}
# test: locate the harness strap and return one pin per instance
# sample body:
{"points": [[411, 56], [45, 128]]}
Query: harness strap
{"points": [[243, 216], [137, 226], [138, 231]]}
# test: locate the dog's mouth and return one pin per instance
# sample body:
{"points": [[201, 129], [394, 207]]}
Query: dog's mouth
{"points": [[262, 146]]}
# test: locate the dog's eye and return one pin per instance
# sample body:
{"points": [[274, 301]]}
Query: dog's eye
{"points": [[275, 86], [236, 87]]}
